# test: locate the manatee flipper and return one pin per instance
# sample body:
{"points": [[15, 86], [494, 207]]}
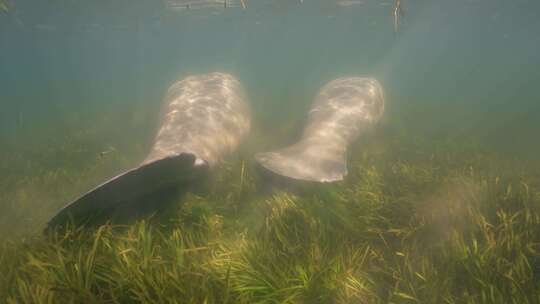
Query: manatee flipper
{"points": [[305, 161], [131, 185]]}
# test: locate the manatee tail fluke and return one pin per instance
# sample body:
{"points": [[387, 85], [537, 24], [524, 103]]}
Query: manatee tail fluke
{"points": [[127, 187], [306, 162]]}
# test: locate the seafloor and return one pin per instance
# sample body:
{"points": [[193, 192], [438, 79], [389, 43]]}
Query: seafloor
{"points": [[419, 219]]}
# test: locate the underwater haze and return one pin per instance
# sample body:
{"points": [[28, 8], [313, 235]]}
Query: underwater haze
{"points": [[82, 84]]}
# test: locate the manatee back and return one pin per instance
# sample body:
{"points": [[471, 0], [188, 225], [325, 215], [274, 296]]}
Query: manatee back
{"points": [[205, 115], [344, 108]]}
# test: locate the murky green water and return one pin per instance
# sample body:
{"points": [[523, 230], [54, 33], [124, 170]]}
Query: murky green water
{"points": [[78, 79]]}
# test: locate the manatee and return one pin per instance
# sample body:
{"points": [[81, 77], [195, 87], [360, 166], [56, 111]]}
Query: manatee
{"points": [[204, 118], [343, 109]]}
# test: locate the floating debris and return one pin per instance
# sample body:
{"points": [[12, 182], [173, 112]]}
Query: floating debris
{"points": [[45, 27], [179, 5], [346, 3], [397, 12], [108, 151]]}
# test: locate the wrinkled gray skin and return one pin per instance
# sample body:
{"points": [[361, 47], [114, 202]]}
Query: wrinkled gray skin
{"points": [[343, 109], [204, 118]]}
